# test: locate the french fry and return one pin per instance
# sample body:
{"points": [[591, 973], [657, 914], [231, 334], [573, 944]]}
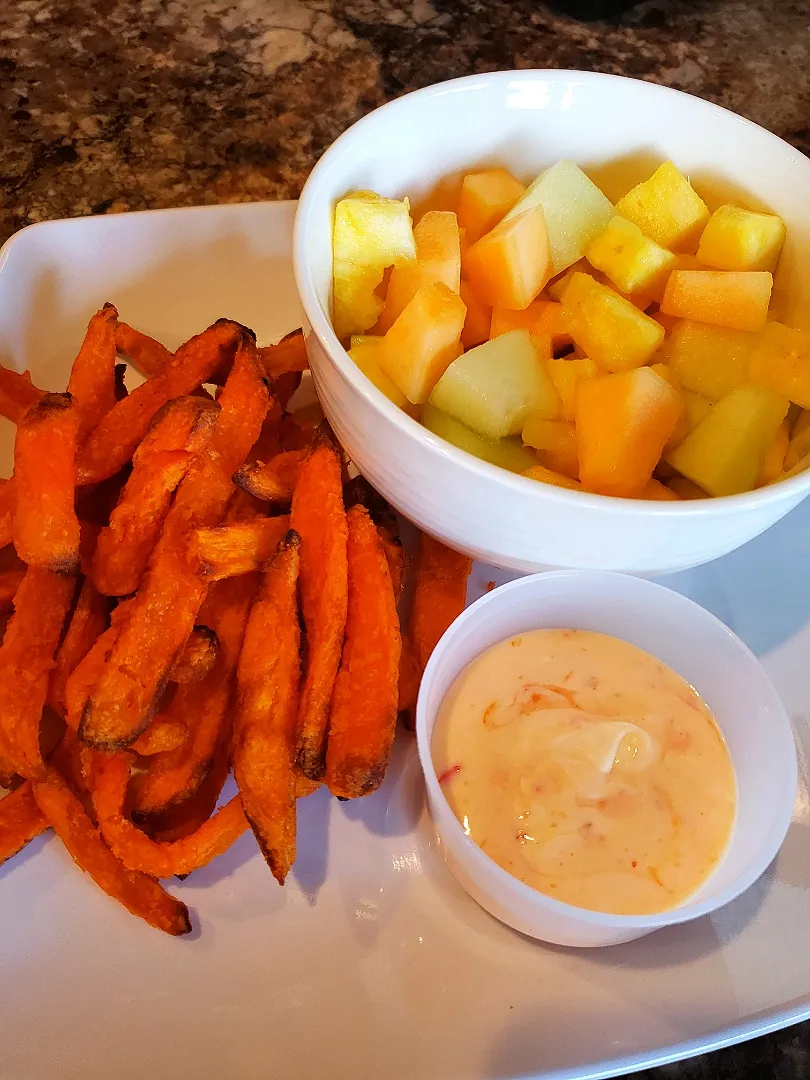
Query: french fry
{"points": [[85, 675], [7, 499], [319, 518], [92, 377], [138, 892], [113, 442], [185, 817], [224, 551], [285, 386], [358, 491], [20, 821], [274, 480], [89, 620], [266, 712], [119, 382], [184, 423], [46, 528], [198, 656], [17, 394], [294, 433], [165, 733], [26, 658], [363, 716], [144, 352], [10, 581], [289, 355]]}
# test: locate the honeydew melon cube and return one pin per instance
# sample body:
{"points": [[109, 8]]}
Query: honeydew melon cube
{"points": [[666, 208], [509, 453], [737, 239], [423, 341]]}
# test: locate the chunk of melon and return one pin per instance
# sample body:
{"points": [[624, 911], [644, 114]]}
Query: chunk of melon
{"points": [[613, 333], [685, 489], [737, 239], [666, 208], [478, 320], [781, 360], [438, 258], [509, 453], [721, 297], [365, 351], [557, 442], [655, 491], [623, 423], [633, 262], [543, 320], [494, 387], [509, 265], [725, 452], [557, 286], [709, 360], [773, 464], [485, 197], [799, 441], [423, 341], [576, 211], [566, 374], [549, 476]]}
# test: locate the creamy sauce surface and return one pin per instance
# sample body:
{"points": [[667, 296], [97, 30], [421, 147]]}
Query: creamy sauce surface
{"points": [[588, 769]]}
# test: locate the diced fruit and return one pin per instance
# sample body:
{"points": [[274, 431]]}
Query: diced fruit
{"points": [[576, 211], [438, 258], [632, 261], [510, 264], [494, 387], [566, 374], [666, 208], [370, 233], [724, 453], [737, 239], [365, 351], [799, 441], [669, 322], [556, 288], [508, 453], [543, 320], [721, 297], [685, 489], [709, 360], [773, 463], [479, 318], [623, 423], [608, 327], [781, 360], [423, 341], [557, 440], [666, 372], [655, 491], [695, 409], [548, 476], [485, 197]]}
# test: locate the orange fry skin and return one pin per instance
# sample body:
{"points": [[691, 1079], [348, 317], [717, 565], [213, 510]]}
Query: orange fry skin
{"points": [[46, 528], [7, 499], [288, 356], [359, 491], [266, 712], [92, 377], [185, 817], [271, 481], [319, 518], [20, 821], [90, 618], [10, 581], [145, 353], [165, 733], [363, 719], [17, 394], [198, 656], [138, 892], [225, 551]]}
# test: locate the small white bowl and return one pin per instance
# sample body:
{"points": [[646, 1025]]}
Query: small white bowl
{"points": [[527, 120], [698, 647]]}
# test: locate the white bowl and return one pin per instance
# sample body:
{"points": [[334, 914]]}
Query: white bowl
{"points": [[698, 647], [527, 120]]}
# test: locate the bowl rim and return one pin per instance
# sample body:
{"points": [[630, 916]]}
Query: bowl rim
{"points": [[504, 884], [321, 325]]}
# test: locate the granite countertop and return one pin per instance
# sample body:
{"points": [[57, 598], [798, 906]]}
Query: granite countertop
{"points": [[111, 105]]}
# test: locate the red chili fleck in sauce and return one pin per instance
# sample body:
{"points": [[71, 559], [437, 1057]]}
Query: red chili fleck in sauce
{"points": [[449, 772]]}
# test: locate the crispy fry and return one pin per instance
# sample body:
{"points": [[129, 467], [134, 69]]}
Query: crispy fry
{"points": [[88, 622], [198, 656], [119, 382], [359, 491], [266, 714], [363, 717], [185, 817], [319, 518], [285, 386], [243, 507], [92, 377], [272, 481], [145, 353], [289, 355], [95, 502], [20, 821], [304, 786], [294, 434], [409, 678], [84, 677], [138, 892], [184, 423], [10, 581], [17, 394], [6, 512], [224, 551], [26, 658], [46, 528], [112, 443], [165, 733]]}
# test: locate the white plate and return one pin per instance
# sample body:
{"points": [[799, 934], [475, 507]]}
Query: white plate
{"points": [[371, 961]]}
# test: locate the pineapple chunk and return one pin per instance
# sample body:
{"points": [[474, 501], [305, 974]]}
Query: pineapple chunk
{"points": [[623, 423], [557, 441], [494, 387], [725, 452], [365, 351], [479, 317], [721, 297], [438, 258], [685, 489], [613, 333], [737, 239], [423, 341], [575, 210], [781, 360], [566, 374], [666, 208], [485, 197], [548, 476], [509, 453], [510, 264], [709, 360], [556, 288], [632, 261], [543, 320], [369, 234], [773, 463]]}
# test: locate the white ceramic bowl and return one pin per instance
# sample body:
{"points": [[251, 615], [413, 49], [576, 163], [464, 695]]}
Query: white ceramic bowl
{"points": [[698, 647], [528, 120]]}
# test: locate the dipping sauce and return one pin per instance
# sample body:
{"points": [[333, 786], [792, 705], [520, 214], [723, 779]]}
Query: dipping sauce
{"points": [[588, 769]]}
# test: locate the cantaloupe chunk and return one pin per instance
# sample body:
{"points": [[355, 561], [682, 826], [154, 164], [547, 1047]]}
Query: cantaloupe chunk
{"points": [[737, 239], [799, 441], [685, 489], [773, 463], [725, 452], [566, 374], [369, 234], [548, 476], [655, 491], [666, 208], [509, 265], [438, 258], [365, 351], [781, 360], [623, 423], [721, 297], [423, 341], [576, 211], [709, 360], [543, 320], [494, 387], [479, 317], [557, 442], [613, 333], [509, 453], [485, 197], [632, 262]]}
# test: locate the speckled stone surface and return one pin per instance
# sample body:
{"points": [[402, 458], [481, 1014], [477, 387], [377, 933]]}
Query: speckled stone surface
{"points": [[110, 105]]}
